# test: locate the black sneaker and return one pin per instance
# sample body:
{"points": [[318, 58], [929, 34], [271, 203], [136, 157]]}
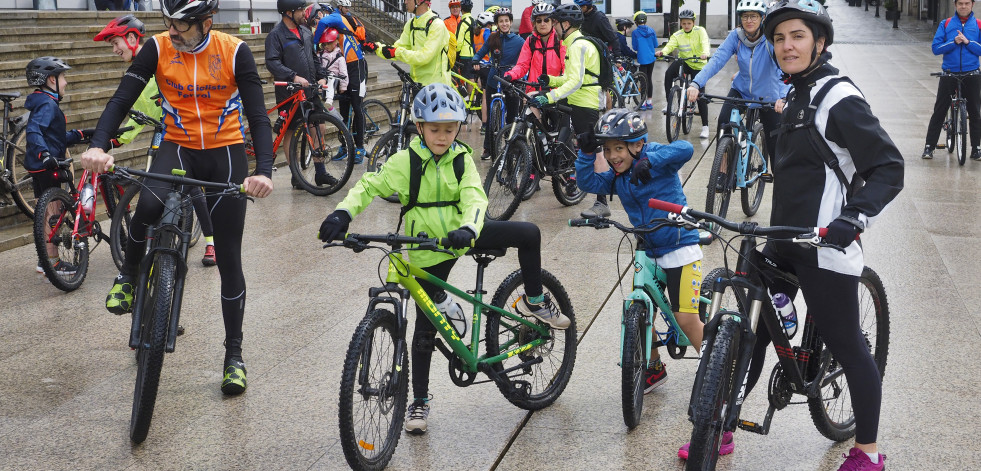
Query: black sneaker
{"points": [[976, 154], [720, 184], [927, 152], [325, 179], [63, 268]]}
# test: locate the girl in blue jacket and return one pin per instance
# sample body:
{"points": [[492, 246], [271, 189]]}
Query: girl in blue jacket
{"points": [[644, 41], [759, 76], [641, 171]]}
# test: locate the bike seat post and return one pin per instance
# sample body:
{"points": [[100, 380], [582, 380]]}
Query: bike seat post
{"points": [[482, 262]]}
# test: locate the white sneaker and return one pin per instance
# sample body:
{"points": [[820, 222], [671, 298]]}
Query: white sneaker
{"points": [[39, 269], [705, 132], [546, 312], [664, 110], [417, 414]]}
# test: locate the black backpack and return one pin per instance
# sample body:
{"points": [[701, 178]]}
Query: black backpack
{"points": [[415, 180], [605, 76]]}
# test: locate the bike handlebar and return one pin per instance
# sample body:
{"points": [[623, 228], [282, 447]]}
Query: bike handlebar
{"points": [[510, 86], [177, 177], [947, 73], [359, 242], [737, 101], [295, 86], [604, 223]]}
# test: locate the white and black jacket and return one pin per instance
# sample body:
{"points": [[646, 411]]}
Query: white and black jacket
{"points": [[806, 191]]}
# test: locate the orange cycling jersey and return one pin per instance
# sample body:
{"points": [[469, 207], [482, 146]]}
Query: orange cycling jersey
{"points": [[202, 107]]}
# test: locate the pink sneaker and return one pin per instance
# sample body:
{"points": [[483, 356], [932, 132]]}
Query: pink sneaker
{"points": [[726, 448], [857, 460]]}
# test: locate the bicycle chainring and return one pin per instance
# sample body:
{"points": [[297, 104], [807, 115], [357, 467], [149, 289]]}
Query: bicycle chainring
{"points": [[458, 374], [778, 391]]}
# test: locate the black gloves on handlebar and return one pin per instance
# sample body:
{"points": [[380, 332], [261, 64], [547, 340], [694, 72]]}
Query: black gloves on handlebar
{"points": [[588, 142], [48, 162], [543, 80], [641, 173], [461, 238], [334, 226], [842, 232]]}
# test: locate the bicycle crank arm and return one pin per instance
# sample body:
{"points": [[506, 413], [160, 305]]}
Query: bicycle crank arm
{"points": [[763, 429]]}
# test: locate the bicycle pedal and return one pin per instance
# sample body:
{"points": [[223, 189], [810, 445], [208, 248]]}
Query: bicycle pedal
{"points": [[751, 427], [766, 177], [941, 146]]}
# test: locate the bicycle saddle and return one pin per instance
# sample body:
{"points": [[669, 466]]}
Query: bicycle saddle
{"points": [[8, 97], [488, 252]]}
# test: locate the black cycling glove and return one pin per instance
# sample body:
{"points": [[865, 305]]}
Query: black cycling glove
{"points": [[461, 238], [48, 162], [588, 142], [334, 226], [841, 233], [641, 173]]}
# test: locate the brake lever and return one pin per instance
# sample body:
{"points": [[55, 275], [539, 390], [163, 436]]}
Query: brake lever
{"points": [[814, 240], [682, 221]]}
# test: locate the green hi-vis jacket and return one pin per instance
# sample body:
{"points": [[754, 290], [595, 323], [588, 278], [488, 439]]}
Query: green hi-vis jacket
{"points": [[580, 88], [146, 105], [425, 53], [691, 44], [438, 183]]}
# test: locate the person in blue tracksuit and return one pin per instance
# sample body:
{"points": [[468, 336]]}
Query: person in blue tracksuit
{"points": [[644, 41], [759, 76], [958, 39]]}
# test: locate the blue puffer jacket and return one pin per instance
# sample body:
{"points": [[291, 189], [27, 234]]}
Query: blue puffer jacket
{"points": [[759, 75], [46, 129], [644, 41], [958, 57], [666, 161]]}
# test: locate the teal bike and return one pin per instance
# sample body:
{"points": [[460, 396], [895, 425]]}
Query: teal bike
{"points": [[528, 360], [640, 329]]}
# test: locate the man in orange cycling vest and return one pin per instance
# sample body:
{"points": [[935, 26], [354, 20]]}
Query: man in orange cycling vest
{"points": [[209, 82]]}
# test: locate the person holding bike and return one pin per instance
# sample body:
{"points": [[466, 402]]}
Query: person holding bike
{"points": [[828, 122], [691, 41], [423, 45], [199, 72], [638, 172], [758, 77], [449, 207], [47, 139], [504, 47], [644, 41], [623, 27], [958, 39], [290, 57], [125, 35], [578, 87]]}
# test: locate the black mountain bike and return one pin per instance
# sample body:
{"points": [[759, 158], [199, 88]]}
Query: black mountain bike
{"points": [[402, 129], [531, 148], [955, 126], [159, 289], [738, 303]]}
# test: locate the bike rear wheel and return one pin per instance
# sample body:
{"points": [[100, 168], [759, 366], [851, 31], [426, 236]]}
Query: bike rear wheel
{"points": [[318, 141], [547, 378], [712, 401], [720, 188], [564, 177], [377, 121], [638, 91], [832, 412], [157, 306], [119, 229], [961, 143], [752, 193], [688, 115], [674, 116], [633, 362], [374, 391], [23, 189], [507, 179], [56, 228]]}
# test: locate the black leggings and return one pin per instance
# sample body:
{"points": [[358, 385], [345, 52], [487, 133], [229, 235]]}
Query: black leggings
{"points": [[674, 70], [832, 299], [352, 98], [524, 236], [201, 211], [769, 118], [221, 164], [971, 87], [646, 72]]}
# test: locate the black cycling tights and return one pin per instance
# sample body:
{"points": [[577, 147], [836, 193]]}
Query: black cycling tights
{"points": [[524, 236], [832, 298], [222, 164]]}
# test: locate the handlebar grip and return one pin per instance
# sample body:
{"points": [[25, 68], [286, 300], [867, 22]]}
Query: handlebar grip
{"points": [[445, 243], [665, 206], [280, 84], [578, 222], [564, 109], [822, 231]]}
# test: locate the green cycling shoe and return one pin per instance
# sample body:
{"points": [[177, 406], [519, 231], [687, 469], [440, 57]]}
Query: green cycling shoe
{"points": [[234, 382], [120, 298]]}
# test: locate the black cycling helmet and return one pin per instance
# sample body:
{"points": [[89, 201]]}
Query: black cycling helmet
{"points": [[808, 10], [686, 15], [286, 6], [188, 10], [570, 13], [624, 23], [621, 124], [640, 17], [38, 70]]}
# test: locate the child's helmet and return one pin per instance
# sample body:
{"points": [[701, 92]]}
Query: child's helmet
{"points": [[38, 70], [640, 17], [623, 23], [485, 18], [686, 15], [438, 103], [330, 35], [621, 124]]}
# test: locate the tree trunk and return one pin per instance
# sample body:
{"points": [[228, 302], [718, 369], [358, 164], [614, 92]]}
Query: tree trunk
{"points": [[702, 7]]}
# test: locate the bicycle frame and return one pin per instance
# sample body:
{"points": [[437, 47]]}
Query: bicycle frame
{"points": [[298, 102], [405, 274], [626, 85], [744, 139], [470, 99]]}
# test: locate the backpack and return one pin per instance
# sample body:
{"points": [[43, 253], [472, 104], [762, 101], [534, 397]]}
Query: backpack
{"points": [[605, 76], [415, 180], [817, 142]]}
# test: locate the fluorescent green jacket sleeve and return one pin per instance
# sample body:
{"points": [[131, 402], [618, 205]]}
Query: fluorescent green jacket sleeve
{"points": [[146, 105], [426, 54]]}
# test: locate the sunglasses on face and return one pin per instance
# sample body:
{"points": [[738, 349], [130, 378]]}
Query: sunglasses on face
{"points": [[180, 25], [543, 20]]}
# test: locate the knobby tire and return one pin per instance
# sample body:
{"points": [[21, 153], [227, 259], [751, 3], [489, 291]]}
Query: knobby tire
{"points": [[58, 228]]}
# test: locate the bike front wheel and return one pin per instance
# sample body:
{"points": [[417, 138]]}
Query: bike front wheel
{"points": [[507, 179], [721, 183], [158, 303], [377, 121], [752, 193], [320, 141], [713, 399], [542, 372], [832, 412], [495, 123], [633, 362], [672, 119], [961, 137], [374, 391], [54, 222], [950, 130]]}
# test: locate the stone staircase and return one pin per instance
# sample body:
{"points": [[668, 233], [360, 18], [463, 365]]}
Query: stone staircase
{"points": [[95, 75]]}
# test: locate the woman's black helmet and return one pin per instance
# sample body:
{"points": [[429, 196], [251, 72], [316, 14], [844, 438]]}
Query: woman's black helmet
{"points": [[807, 10]]}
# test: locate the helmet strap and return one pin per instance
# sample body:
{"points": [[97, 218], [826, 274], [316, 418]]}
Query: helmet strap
{"points": [[134, 46]]}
